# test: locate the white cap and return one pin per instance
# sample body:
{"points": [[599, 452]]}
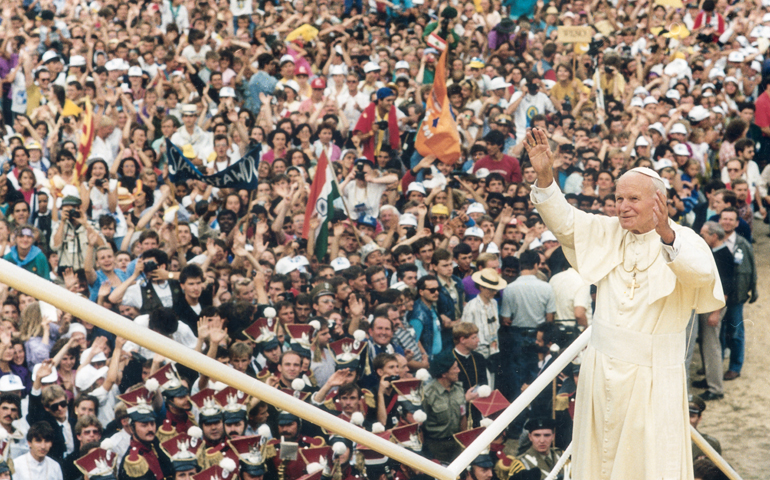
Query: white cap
{"points": [[226, 92], [371, 67], [293, 85], [677, 68], [708, 85], [48, 56], [474, 232], [337, 70], [718, 110], [673, 94], [135, 71], [482, 173], [11, 383], [498, 83], [658, 127], [49, 379], [716, 72], [641, 91], [402, 64], [678, 128], [492, 248], [765, 17], [408, 220], [287, 58], [535, 244], [415, 187], [113, 65], [87, 375], [75, 328], [755, 65], [650, 101], [476, 207], [340, 263], [548, 235], [698, 113], [681, 149], [189, 108], [548, 84], [588, 83], [287, 264], [642, 142], [77, 61], [731, 79], [736, 57], [637, 102]]}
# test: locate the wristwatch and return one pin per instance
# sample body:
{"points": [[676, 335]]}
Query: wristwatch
{"points": [[170, 276]]}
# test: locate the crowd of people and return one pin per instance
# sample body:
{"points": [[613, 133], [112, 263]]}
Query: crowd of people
{"points": [[417, 304]]}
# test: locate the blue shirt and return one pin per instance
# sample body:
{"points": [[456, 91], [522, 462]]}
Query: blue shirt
{"points": [[260, 82], [101, 277]]}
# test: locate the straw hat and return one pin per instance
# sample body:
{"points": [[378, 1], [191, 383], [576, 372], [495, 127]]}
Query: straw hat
{"points": [[489, 278]]}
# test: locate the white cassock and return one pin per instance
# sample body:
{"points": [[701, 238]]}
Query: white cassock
{"points": [[631, 416]]}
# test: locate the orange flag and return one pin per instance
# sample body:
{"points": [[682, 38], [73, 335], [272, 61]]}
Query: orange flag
{"points": [[438, 133]]}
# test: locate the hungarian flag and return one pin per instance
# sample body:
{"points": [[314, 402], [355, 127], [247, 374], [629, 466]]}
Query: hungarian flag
{"points": [[438, 133], [323, 193], [86, 140]]}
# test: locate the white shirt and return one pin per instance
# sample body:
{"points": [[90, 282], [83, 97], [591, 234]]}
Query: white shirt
{"points": [[183, 335], [570, 291], [530, 106], [69, 437], [27, 468]]}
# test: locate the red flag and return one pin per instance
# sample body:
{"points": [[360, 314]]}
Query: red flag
{"points": [[438, 133], [86, 140]]}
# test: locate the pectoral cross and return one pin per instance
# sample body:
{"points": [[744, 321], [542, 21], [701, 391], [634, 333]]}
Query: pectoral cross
{"points": [[633, 287]]}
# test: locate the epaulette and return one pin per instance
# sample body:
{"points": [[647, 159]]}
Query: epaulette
{"points": [[330, 402], [508, 466], [264, 374], [135, 465], [369, 398], [213, 456], [166, 431]]}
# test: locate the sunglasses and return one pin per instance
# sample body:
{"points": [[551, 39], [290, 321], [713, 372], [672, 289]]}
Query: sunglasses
{"points": [[432, 290], [58, 405]]}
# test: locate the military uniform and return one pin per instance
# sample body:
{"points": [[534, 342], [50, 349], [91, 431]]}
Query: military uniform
{"points": [[545, 463], [145, 462]]}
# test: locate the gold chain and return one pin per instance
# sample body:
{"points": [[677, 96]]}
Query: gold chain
{"points": [[634, 269]]}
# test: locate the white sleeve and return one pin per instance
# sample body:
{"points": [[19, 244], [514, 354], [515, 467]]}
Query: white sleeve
{"points": [[671, 251], [540, 195]]}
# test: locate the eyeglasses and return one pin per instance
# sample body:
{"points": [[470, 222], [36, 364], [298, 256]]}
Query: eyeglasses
{"points": [[733, 169], [44, 79], [439, 218], [58, 405]]}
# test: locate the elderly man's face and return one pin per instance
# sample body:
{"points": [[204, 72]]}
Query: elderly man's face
{"points": [[635, 198]]}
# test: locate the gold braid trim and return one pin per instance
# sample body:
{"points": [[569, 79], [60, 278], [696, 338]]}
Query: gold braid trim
{"points": [[268, 451], [135, 468], [504, 473]]}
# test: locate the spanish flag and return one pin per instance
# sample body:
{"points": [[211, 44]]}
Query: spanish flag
{"points": [[438, 133], [86, 140]]}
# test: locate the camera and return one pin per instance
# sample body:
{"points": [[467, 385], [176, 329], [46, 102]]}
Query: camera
{"points": [[67, 119], [99, 182], [382, 124], [150, 267], [453, 183], [392, 378], [566, 105], [74, 214], [287, 296], [608, 70], [159, 109], [360, 174]]}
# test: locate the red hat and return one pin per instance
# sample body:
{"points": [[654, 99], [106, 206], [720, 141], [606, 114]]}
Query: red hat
{"points": [[184, 447], [409, 388], [134, 397], [261, 330], [492, 405], [231, 400], [468, 436], [320, 455], [208, 408], [98, 462], [168, 381], [347, 352], [296, 393], [227, 469], [408, 436], [318, 83], [301, 70], [248, 449], [373, 457], [301, 337]]}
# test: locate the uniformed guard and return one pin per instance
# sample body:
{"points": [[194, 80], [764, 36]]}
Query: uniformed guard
{"points": [[183, 450], [145, 460], [234, 413], [263, 332], [99, 464], [176, 396], [226, 469], [697, 406], [541, 454], [210, 419], [253, 453]]}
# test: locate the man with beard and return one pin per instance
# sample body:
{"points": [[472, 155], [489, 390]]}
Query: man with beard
{"points": [[144, 459]]}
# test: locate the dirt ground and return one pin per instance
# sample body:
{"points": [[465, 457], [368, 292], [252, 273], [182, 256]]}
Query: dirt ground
{"points": [[741, 421]]}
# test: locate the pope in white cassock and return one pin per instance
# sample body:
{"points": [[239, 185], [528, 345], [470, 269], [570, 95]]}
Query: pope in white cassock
{"points": [[631, 416]]}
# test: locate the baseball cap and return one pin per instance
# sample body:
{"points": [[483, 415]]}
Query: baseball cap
{"points": [[402, 64], [681, 149], [135, 71], [498, 83], [679, 128], [474, 232], [416, 187], [650, 101], [476, 207], [50, 56], [293, 85], [408, 220], [77, 61], [226, 92], [287, 58], [371, 67], [318, 83], [338, 264]]}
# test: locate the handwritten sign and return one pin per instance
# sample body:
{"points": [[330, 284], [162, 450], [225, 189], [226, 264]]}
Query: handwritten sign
{"points": [[575, 34]]}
